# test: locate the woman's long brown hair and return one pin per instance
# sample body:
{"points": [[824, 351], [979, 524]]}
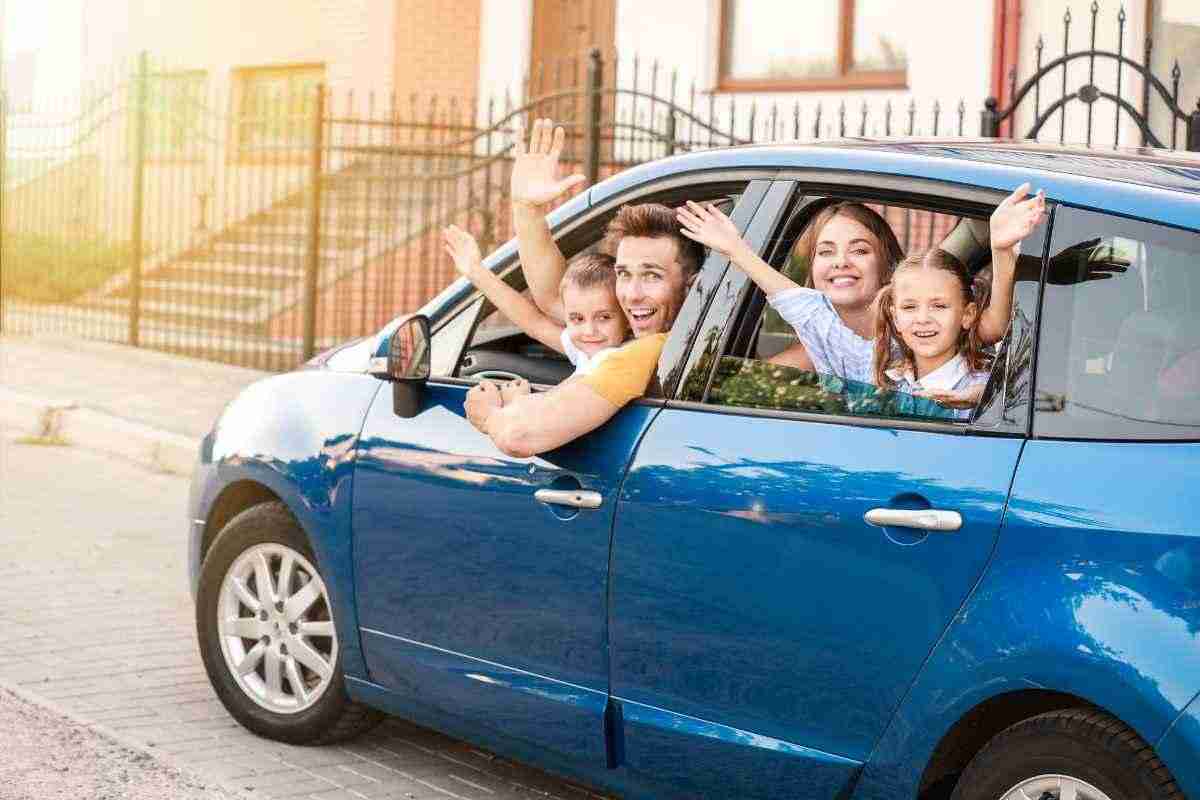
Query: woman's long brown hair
{"points": [[888, 341]]}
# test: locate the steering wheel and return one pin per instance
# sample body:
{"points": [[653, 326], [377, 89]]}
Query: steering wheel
{"points": [[496, 375]]}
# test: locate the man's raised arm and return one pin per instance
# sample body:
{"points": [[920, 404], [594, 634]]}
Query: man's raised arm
{"points": [[535, 183]]}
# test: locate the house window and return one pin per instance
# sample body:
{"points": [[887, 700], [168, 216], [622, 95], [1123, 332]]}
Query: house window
{"points": [[176, 115], [782, 45], [275, 108]]}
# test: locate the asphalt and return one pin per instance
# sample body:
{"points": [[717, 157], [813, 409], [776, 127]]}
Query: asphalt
{"points": [[145, 405]]}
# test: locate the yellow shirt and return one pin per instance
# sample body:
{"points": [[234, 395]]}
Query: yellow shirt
{"points": [[626, 373]]}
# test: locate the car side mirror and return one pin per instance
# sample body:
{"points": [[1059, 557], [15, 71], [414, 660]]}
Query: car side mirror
{"points": [[408, 364]]}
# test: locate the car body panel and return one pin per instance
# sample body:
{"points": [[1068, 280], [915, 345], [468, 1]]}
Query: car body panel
{"points": [[1179, 748], [471, 592], [1087, 595], [748, 591], [294, 434]]}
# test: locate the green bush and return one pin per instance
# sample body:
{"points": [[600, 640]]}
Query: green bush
{"points": [[57, 269]]}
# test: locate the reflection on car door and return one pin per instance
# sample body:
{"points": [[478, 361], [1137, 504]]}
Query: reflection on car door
{"points": [[762, 631]]}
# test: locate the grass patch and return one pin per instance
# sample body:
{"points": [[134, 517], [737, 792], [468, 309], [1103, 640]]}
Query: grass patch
{"points": [[50, 440], [57, 269]]}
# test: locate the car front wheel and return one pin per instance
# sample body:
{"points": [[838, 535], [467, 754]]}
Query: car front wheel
{"points": [[267, 634], [1072, 754]]}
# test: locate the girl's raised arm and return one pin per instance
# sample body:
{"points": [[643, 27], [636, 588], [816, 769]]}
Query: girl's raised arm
{"points": [[1013, 220], [463, 248]]}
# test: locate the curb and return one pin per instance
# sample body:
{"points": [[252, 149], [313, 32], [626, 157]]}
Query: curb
{"points": [[161, 756], [64, 421]]}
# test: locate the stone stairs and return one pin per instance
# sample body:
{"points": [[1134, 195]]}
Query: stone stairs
{"points": [[241, 277]]}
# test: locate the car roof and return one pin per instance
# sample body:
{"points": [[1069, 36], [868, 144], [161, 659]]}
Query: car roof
{"points": [[1156, 185]]}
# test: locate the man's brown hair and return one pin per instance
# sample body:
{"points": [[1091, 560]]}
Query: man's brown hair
{"points": [[654, 221], [590, 270]]}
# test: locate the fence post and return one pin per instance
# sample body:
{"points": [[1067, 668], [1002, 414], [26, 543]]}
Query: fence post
{"points": [[592, 111], [989, 119], [670, 132], [313, 265], [1193, 140], [139, 173]]}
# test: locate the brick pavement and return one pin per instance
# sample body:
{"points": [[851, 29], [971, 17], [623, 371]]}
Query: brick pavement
{"points": [[97, 622]]}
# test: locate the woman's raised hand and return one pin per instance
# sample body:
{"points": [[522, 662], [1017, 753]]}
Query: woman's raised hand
{"points": [[1015, 217], [535, 170], [463, 249], [708, 226]]}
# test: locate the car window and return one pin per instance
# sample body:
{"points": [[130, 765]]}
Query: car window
{"points": [[745, 374], [495, 344], [1119, 352]]}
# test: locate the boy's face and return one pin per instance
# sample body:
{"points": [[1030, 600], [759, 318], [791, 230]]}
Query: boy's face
{"points": [[594, 320]]}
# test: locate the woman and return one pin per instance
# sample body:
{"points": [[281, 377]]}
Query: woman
{"points": [[851, 252]]}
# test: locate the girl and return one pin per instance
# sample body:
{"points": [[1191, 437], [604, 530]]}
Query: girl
{"points": [[832, 345], [595, 324], [927, 331]]}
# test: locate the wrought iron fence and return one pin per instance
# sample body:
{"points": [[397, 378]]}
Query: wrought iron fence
{"points": [[256, 226]]}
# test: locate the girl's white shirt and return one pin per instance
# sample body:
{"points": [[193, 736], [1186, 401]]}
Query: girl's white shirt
{"points": [[952, 376], [582, 362]]}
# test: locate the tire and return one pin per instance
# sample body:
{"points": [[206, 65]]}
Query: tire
{"points": [[294, 695], [1102, 755]]}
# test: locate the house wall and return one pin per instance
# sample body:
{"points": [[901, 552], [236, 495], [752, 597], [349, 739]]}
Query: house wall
{"points": [[437, 48], [682, 35], [188, 198]]}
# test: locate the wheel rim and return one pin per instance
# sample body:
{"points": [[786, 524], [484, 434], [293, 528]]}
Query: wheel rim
{"points": [[1054, 787], [276, 628]]}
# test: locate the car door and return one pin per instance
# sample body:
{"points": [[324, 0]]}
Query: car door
{"points": [[481, 605], [762, 631]]}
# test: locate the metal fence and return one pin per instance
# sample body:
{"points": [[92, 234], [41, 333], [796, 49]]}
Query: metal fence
{"points": [[256, 224]]}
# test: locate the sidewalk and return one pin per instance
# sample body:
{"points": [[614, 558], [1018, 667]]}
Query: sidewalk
{"points": [[142, 404]]}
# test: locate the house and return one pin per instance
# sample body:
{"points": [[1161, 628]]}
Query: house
{"points": [[734, 53], [217, 141]]}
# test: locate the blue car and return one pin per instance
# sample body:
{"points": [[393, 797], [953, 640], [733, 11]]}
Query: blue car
{"points": [[760, 582]]}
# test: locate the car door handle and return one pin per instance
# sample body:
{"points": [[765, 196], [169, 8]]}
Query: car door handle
{"points": [[928, 519], [578, 498]]}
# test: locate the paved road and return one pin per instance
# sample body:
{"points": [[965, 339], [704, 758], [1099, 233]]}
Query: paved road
{"points": [[97, 622]]}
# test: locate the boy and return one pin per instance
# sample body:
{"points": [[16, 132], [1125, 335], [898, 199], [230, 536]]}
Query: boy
{"points": [[594, 322]]}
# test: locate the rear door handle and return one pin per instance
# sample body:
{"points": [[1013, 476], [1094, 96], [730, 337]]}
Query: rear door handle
{"points": [[577, 498], [928, 519]]}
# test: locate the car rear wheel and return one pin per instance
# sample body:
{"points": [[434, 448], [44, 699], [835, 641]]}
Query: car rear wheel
{"points": [[1072, 754], [267, 634]]}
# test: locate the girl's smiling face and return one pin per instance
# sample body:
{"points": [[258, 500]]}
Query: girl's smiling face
{"points": [[930, 314], [846, 263]]}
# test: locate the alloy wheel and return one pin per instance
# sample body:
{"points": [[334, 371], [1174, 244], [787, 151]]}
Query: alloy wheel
{"points": [[1054, 787], [276, 628]]}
